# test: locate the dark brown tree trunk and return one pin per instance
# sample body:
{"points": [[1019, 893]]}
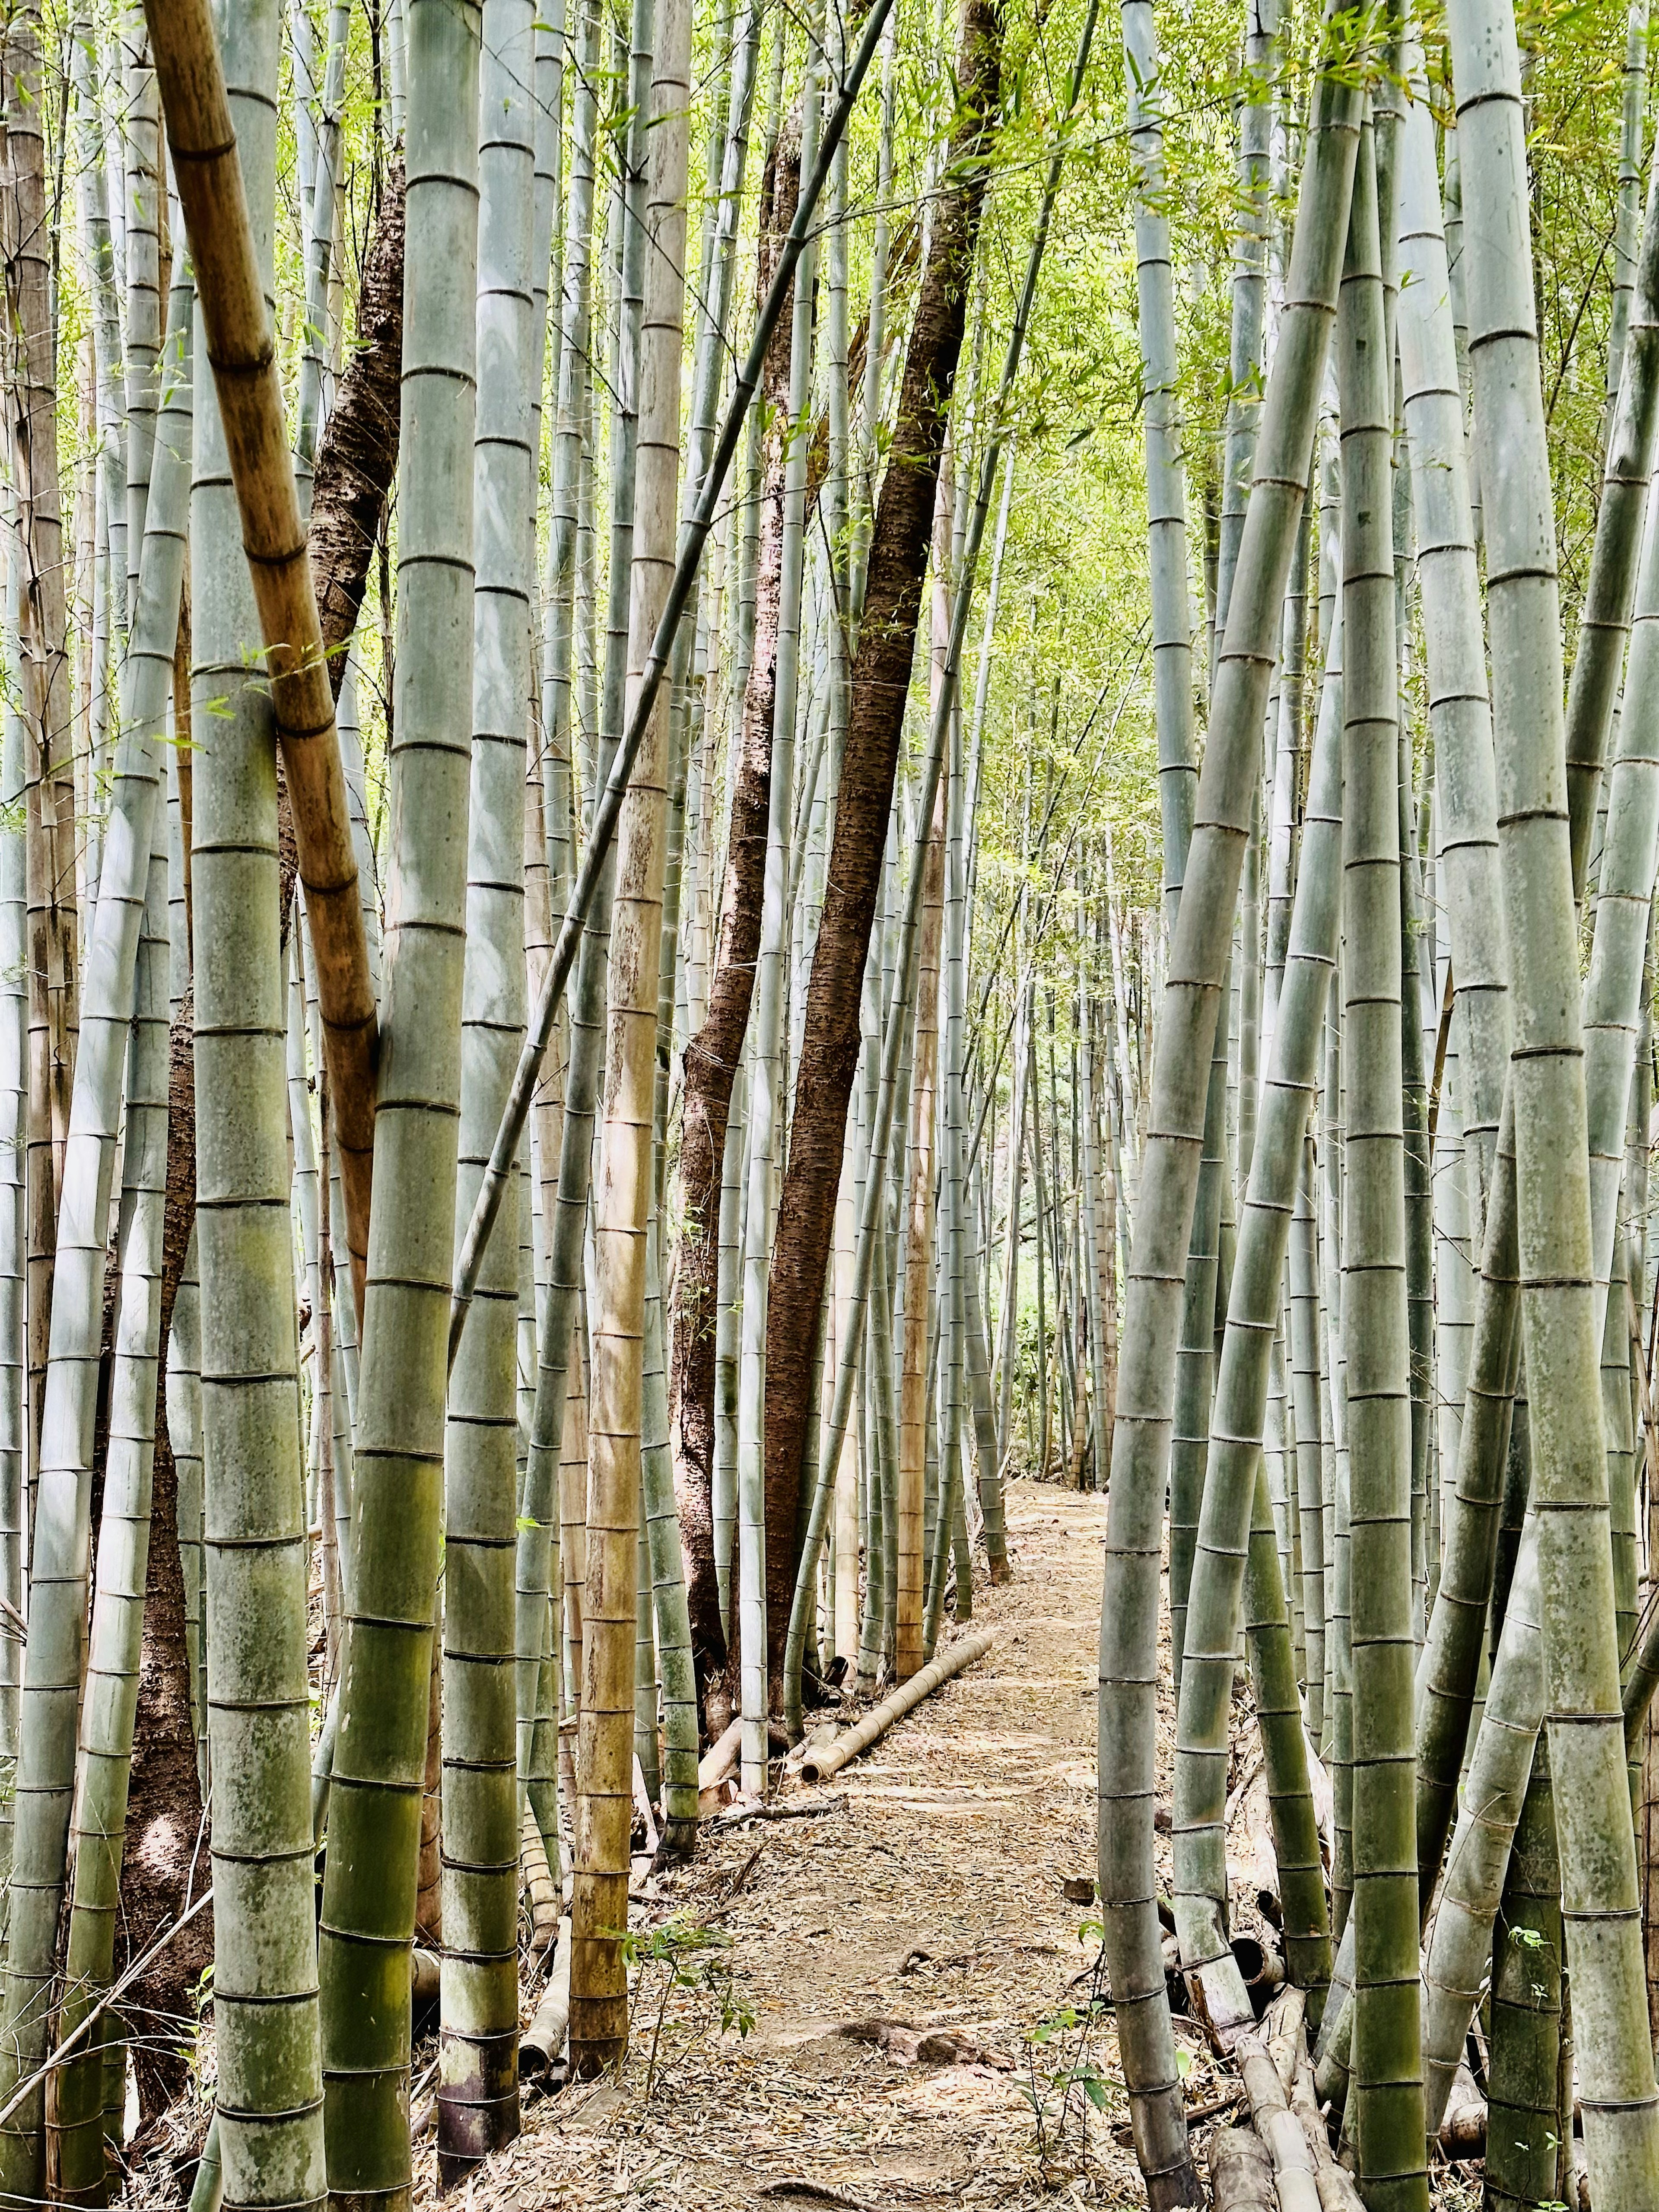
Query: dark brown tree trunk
{"points": [[357, 462], [166, 1851], [881, 683], [358, 456], [712, 1056]]}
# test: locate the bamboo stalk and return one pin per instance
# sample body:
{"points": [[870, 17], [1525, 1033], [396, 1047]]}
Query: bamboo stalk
{"points": [[820, 1764], [247, 378]]}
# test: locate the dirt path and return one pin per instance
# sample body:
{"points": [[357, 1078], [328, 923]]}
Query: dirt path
{"points": [[934, 1900]]}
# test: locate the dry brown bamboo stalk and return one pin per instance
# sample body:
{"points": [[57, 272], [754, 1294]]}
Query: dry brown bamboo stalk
{"points": [[246, 376]]}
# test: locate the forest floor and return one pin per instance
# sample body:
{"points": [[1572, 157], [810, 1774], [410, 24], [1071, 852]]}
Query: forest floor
{"points": [[931, 1897]]}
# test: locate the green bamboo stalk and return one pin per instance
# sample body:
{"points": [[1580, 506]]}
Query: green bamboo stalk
{"points": [[1127, 1736], [1284, 1759], [599, 1986], [1633, 444], [1460, 714], [1632, 113], [1248, 288], [269, 2090], [666, 1580], [1581, 1660], [368, 1891], [1388, 2108], [14, 1241], [728, 1328], [1224, 1536], [141, 230], [1306, 1327], [61, 1531], [1448, 1670], [184, 1385], [115, 1645], [94, 193], [1523, 2112], [477, 2092], [563, 1225], [1459, 1948], [1196, 1357]]}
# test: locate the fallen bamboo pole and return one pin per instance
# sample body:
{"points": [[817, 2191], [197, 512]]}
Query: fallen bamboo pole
{"points": [[1294, 2172], [720, 1758], [543, 2041], [829, 1759], [1337, 2191]]}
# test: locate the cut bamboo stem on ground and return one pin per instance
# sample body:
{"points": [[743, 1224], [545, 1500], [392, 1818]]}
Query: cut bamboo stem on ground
{"points": [[821, 1762]]}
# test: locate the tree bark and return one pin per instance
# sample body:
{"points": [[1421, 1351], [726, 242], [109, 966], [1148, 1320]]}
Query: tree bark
{"points": [[880, 685], [166, 1850], [358, 456], [713, 1054], [357, 462]]}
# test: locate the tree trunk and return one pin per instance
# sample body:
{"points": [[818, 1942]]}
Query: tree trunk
{"points": [[880, 676], [358, 457], [712, 1055]]}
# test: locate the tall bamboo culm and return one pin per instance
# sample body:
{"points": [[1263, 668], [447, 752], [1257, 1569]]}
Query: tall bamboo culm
{"points": [[627, 1185], [1197, 960], [1569, 1476], [380, 1760]]}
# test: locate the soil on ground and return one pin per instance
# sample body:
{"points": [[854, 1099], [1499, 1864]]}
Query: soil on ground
{"points": [[930, 1896]]}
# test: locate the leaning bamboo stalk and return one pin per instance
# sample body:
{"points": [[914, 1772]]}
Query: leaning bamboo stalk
{"points": [[1205, 1696], [248, 379], [1604, 620], [820, 1764], [1166, 485], [1197, 961], [1632, 110]]}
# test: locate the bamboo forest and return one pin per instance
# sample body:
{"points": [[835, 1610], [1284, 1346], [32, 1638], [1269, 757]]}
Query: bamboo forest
{"points": [[829, 1311]]}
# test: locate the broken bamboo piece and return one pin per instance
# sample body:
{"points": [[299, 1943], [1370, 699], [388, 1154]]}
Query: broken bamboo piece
{"points": [[1337, 2190], [828, 1759], [720, 1757], [543, 2041], [1294, 2170], [539, 1886], [1240, 2172]]}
